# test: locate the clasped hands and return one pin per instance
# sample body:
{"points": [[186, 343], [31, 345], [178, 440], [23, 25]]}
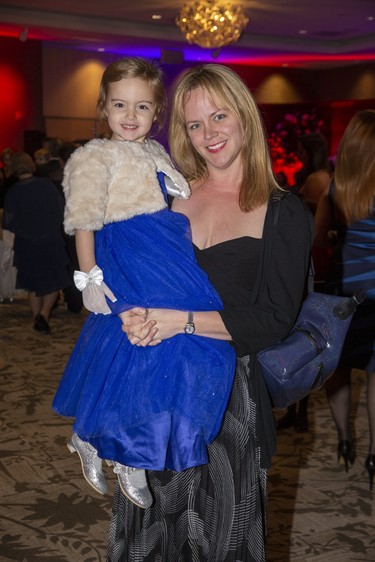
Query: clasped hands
{"points": [[148, 327]]}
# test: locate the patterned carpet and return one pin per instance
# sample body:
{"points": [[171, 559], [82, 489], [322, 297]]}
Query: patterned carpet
{"points": [[48, 513]]}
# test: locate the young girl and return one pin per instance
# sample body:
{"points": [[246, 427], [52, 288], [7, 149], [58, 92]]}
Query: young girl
{"points": [[137, 407]]}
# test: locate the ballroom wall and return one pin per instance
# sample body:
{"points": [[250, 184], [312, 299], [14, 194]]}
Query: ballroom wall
{"points": [[21, 104], [52, 91]]}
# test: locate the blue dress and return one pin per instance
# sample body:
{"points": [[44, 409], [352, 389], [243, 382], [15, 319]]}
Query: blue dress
{"points": [[153, 407]]}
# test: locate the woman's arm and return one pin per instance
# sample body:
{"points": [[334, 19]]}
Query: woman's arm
{"points": [[144, 326]]}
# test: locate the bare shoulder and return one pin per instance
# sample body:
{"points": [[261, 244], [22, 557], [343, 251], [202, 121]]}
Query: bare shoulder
{"points": [[183, 205]]}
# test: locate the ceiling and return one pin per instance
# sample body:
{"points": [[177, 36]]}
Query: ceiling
{"points": [[307, 33]]}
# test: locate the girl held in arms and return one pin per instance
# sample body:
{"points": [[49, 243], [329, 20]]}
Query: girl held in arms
{"points": [[138, 407]]}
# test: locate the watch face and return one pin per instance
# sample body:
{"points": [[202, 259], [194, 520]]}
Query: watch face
{"points": [[189, 328]]}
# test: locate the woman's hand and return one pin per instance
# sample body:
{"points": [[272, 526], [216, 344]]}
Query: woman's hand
{"points": [[138, 328], [151, 326]]}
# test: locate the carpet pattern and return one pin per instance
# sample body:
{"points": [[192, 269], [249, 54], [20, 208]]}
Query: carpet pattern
{"points": [[48, 512]]}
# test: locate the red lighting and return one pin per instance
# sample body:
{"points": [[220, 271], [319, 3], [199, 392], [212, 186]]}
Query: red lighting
{"points": [[291, 59]]}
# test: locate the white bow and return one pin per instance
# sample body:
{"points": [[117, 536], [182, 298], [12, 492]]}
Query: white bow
{"points": [[94, 290], [82, 279]]}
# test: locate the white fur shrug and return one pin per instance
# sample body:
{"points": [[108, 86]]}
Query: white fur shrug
{"points": [[109, 181]]}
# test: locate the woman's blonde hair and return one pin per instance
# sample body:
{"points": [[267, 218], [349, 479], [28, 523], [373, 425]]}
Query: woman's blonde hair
{"points": [[134, 67], [227, 91], [355, 169]]}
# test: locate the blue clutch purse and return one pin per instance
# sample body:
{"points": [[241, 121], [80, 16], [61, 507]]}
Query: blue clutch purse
{"points": [[310, 353]]}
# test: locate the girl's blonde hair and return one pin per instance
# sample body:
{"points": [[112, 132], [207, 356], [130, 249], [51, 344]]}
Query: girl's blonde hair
{"points": [[355, 169], [134, 67], [227, 91]]}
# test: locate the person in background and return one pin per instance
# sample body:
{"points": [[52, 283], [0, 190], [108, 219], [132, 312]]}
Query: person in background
{"points": [[7, 178], [8, 272], [53, 169], [282, 179], [41, 156], [33, 215], [41, 159], [314, 178], [348, 206], [315, 173], [72, 295], [218, 511]]}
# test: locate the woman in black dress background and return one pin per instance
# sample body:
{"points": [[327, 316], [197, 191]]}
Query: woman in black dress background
{"points": [[217, 512], [33, 215]]}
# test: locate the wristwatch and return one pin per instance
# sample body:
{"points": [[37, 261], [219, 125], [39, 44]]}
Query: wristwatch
{"points": [[190, 326]]}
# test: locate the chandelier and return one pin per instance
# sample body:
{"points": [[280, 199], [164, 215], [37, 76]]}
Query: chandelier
{"points": [[212, 24]]}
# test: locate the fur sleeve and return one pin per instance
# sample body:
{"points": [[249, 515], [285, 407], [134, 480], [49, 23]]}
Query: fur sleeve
{"points": [[85, 183]]}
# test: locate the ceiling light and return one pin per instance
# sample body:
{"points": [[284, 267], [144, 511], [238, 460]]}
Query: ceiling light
{"points": [[156, 17], [212, 24]]}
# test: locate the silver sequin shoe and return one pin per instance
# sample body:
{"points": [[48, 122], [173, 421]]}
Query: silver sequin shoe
{"points": [[91, 463], [133, 484]]}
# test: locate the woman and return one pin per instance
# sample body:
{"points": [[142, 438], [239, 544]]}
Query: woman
{"points": [[7, 177], [314, 175], [217, 512], [33, 214], [348, 206]]}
